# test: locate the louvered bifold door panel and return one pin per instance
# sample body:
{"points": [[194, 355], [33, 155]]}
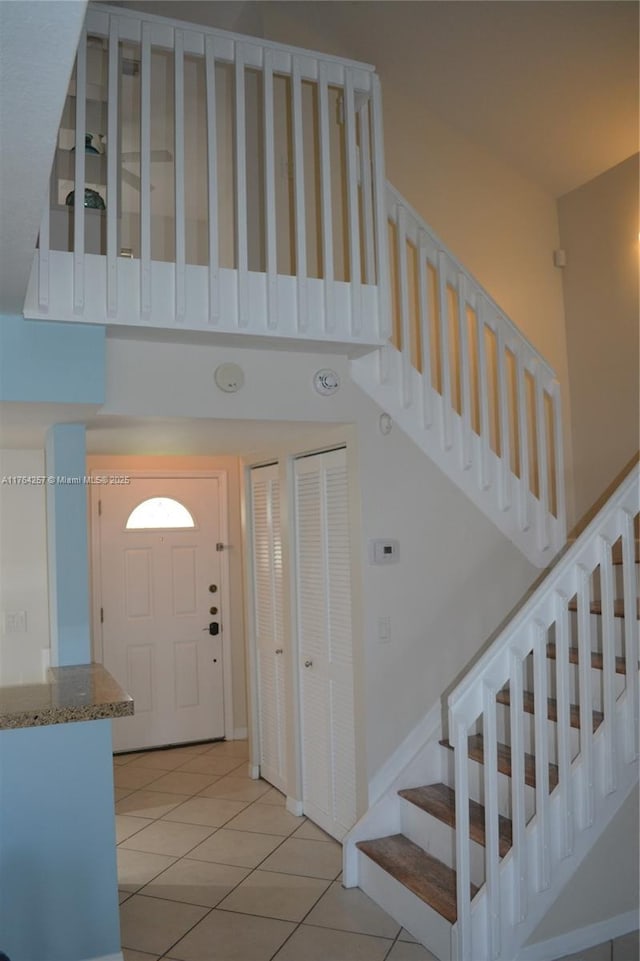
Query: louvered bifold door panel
{"points": [[267, 581], [340, 639], [324, 639], [312, 641]]}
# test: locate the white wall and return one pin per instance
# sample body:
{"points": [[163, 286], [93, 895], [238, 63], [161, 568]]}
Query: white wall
{"points": [[457, 576], [234, 618], [23, 567], [605, 885], [599, 231]]}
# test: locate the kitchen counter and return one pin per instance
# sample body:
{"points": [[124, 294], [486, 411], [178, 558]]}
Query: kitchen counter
{"points": [[83, 692]]}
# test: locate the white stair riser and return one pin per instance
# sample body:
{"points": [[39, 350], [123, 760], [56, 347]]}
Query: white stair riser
{"points": [[425, 924], [504, 733], [476, 787], [438, 839]]}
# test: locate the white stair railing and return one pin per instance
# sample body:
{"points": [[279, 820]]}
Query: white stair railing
{"points": [[242, 184], [469, 387], [572, 622]]}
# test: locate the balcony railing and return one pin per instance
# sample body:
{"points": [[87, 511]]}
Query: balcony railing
{"points": [[236, 184]]}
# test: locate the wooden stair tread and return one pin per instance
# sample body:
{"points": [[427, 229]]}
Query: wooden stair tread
{"points": [[596, 658], [596, 607], [616, 554], [439, 800], [504, 697], [476, 753], [426, 877]]}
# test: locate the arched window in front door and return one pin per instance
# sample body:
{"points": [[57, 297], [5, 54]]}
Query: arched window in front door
{"points": [[160, 513]]}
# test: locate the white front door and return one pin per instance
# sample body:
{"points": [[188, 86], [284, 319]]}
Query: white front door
{"points": [[323, 578], [160, 590]]}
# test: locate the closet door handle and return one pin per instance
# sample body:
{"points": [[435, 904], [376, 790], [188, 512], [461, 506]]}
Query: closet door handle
{"points": [[308, 663], [278, 650]]}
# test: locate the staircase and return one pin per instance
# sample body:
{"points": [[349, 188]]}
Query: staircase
{"points": [[475, 859]]}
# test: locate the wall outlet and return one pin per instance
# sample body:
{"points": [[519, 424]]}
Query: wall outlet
{"points": [[15, 622]]}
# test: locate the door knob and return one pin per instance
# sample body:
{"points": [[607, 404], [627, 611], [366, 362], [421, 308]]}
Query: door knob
{"points": [[308, 663], [213, 629]]}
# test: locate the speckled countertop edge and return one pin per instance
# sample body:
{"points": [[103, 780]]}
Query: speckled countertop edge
{"points": [[82, 692]]}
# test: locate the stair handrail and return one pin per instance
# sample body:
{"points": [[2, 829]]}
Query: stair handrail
{"points": [[474, 698]]}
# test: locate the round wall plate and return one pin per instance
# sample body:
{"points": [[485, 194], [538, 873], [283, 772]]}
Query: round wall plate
{"points": [[229, 378], [326, 381]]}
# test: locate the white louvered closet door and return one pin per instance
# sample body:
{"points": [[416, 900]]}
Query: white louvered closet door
{"points": [[270, 655], [323, 576]]}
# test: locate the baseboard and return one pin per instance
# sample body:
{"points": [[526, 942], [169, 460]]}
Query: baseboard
{"points": [[109, 957], [581, 938], [421, 734], [239, 734], [294, 806], [254, 771]]}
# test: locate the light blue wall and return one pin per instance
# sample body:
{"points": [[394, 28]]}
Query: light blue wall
{"points": [[51, 362], [58, 882], [68, 556]]}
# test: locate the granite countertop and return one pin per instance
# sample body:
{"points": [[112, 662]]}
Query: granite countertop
{"points": [[83, 692]]}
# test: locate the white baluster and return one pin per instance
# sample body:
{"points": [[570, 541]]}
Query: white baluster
{"points": [[425, 330], [43, 257], [630, 630], [79, 184], [145, 171], [543, 465], [608, 664], [483, 391], [465, 374], [367, 198], [407, 370], [242, 249], [353, 216], [584, 685], [325, 196], [492, 834], [445, 367], [564, 722], [298, 191], [523, 439], [519, 819], [559, 462], [113, 154], [270, 191], [540, 719], [212, 183], [504, 421], [178, 78], [380, 206], [463, 868]]}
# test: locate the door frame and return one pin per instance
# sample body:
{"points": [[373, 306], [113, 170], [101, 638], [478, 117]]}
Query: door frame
{"points": [[96, 490]]}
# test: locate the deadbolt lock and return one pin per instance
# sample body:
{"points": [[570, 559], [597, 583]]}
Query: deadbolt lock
{"points": [[213, 610], [213, 588]]}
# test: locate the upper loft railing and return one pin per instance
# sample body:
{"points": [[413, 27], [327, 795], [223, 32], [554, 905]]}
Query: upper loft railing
{"points": [[235, 185]]}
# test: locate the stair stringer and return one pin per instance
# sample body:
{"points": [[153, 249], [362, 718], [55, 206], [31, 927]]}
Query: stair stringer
{"points": [[501, 506]]}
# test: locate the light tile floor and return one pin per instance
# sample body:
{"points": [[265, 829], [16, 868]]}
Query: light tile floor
{"points": [[212, 867]]}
